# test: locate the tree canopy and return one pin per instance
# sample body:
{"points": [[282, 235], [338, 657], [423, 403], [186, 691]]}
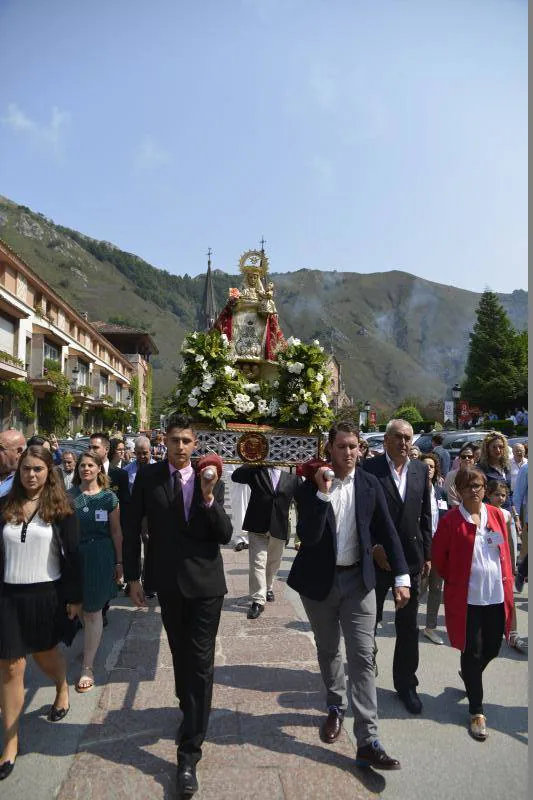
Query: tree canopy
{"points": [[496, 367]]}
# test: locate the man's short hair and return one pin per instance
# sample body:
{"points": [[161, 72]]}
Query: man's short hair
{"points": [[395, 423], [438, 438], [68, 452], [100, 435], [181, 422], [141, 441], [343, 426]]}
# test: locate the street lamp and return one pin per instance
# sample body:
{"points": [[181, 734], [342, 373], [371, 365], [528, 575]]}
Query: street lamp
{"points": [[456, 394], [367, 412]]}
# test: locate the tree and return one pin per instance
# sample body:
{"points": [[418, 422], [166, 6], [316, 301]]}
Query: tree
{"points": [[496, 367], [410, 414]]}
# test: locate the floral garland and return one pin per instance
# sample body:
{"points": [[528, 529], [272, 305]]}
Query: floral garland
{"points": [[304, 384], [212, 389]]}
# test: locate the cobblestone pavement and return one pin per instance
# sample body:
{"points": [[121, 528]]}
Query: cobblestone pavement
{"points": [[118, 741]]}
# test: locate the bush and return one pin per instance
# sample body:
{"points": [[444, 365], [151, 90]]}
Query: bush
{"points": [[504, 426], [410, 414]]}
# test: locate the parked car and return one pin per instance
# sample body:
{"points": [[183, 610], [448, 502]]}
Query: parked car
{"points": [[78, 446], [454, 440], [517, 440]]}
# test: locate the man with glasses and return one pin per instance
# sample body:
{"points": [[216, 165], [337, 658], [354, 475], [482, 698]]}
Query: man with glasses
{"points": [[407, 491], [12, 444]]}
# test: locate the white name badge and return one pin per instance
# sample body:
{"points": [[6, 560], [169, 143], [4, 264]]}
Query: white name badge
{"points": [[442, 505], [494, 538], [100, 515]]}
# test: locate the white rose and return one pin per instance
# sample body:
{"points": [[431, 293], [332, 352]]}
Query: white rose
{"points": [[319, 377], [177, 392], [324, 399], [316, 343], [275, 384], [252, 387], [195, 392], [250, 406], [230, 372], [192, 401], [225, 340], [298, 367], [292, 340], [199, 358], [262, 406], [302, 408]]}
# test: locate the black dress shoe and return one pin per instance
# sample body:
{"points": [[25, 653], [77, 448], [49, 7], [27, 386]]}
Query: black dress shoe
{"points": [[373, 755], [239, 547], [411, 700], [254, 610], [187, 782], [6, 769], [57, 714], [270, 596], [330, 730]]}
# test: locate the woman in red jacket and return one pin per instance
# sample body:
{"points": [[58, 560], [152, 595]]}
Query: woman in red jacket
{"points": [[471, 552]]}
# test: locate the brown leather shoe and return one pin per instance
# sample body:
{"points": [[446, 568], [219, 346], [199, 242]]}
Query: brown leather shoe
{"points": [[373, 755], [330, 730]]}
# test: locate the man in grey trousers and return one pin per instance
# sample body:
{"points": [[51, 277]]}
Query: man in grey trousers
{"points": [[340, 521]]}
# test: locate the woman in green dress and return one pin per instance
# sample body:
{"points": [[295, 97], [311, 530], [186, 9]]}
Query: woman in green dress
{"points": [[101, 550]]}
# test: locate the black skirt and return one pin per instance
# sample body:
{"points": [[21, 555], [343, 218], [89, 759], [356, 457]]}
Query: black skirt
{"points": [[33, 619]]}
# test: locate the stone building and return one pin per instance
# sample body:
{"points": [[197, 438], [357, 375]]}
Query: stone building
{"points": [[41, 336]]}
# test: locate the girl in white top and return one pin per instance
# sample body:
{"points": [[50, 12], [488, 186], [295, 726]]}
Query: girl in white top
{"points": [[497, 494]]}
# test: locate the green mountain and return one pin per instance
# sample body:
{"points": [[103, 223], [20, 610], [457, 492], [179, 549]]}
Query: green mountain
{"points": [[394, 334]]}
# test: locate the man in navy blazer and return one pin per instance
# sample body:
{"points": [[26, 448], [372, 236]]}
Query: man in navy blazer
{"points": [[407, 491], [340, 522]]}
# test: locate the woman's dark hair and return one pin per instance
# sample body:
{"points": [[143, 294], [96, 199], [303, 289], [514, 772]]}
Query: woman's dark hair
{"points": [[467, 446], [54, 503], [113, 444], [436, 460], [38, 440], [494, 485], [102, 479], [465, 477]]}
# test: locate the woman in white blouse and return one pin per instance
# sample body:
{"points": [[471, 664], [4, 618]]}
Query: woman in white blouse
{"points": [[40, 588], [471, 552]]}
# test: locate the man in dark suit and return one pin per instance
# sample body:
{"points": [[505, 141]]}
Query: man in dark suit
{"points": [[407, 491], [340, 521], [187, 524], [267, 522]]}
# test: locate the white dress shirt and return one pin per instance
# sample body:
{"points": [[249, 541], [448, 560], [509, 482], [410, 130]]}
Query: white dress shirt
{"points": [[34, 560], [342, 499], [399, 478], [275, 475], [485, 586]]}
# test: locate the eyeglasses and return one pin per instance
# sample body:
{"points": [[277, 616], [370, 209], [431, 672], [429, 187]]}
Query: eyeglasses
{"points": [[464, 456], [476, 487]]}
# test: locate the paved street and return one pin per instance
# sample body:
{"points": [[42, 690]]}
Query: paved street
{"points": [[118, 741]]}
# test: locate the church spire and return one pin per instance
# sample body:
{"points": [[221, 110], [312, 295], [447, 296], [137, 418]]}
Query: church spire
{"points": [[208, 313]]}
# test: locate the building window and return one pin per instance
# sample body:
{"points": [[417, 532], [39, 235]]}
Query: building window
{"points": [[83, 374], [104, 385], [51, 351], [118, 393], [7, 335]]}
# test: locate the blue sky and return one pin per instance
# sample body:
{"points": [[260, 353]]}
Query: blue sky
{"points": [[354, 135]]}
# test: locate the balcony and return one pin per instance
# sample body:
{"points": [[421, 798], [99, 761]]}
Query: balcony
{"points": [[11, 366], [81, 395], [103, 401]]}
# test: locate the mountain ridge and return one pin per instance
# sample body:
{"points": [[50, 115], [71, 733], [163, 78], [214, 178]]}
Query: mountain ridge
{"points": [[395, 334]]}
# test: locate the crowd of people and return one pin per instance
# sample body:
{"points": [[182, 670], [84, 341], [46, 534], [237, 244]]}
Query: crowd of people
{"points": [[150, 519]]}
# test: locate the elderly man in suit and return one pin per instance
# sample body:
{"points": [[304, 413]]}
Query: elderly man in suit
{"points": [[340, 521], [183, 564], [407, 491], [267, 522]]}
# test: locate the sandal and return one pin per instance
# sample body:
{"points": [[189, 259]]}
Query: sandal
{"points": [[517, 643], [86, 681], [478, 727]]}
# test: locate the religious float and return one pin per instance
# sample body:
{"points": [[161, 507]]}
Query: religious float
{"points": [[255, 396]]}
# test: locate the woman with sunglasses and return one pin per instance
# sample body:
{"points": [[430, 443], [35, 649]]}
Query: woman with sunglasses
{"points": [[471, 552], [466, 460]]}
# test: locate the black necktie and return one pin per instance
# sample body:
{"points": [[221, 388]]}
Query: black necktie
{"points": [[177, 494]]}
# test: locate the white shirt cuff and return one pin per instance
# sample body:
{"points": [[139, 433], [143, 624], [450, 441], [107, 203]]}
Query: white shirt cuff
{"points": [[323, 496], [402, 580]]}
